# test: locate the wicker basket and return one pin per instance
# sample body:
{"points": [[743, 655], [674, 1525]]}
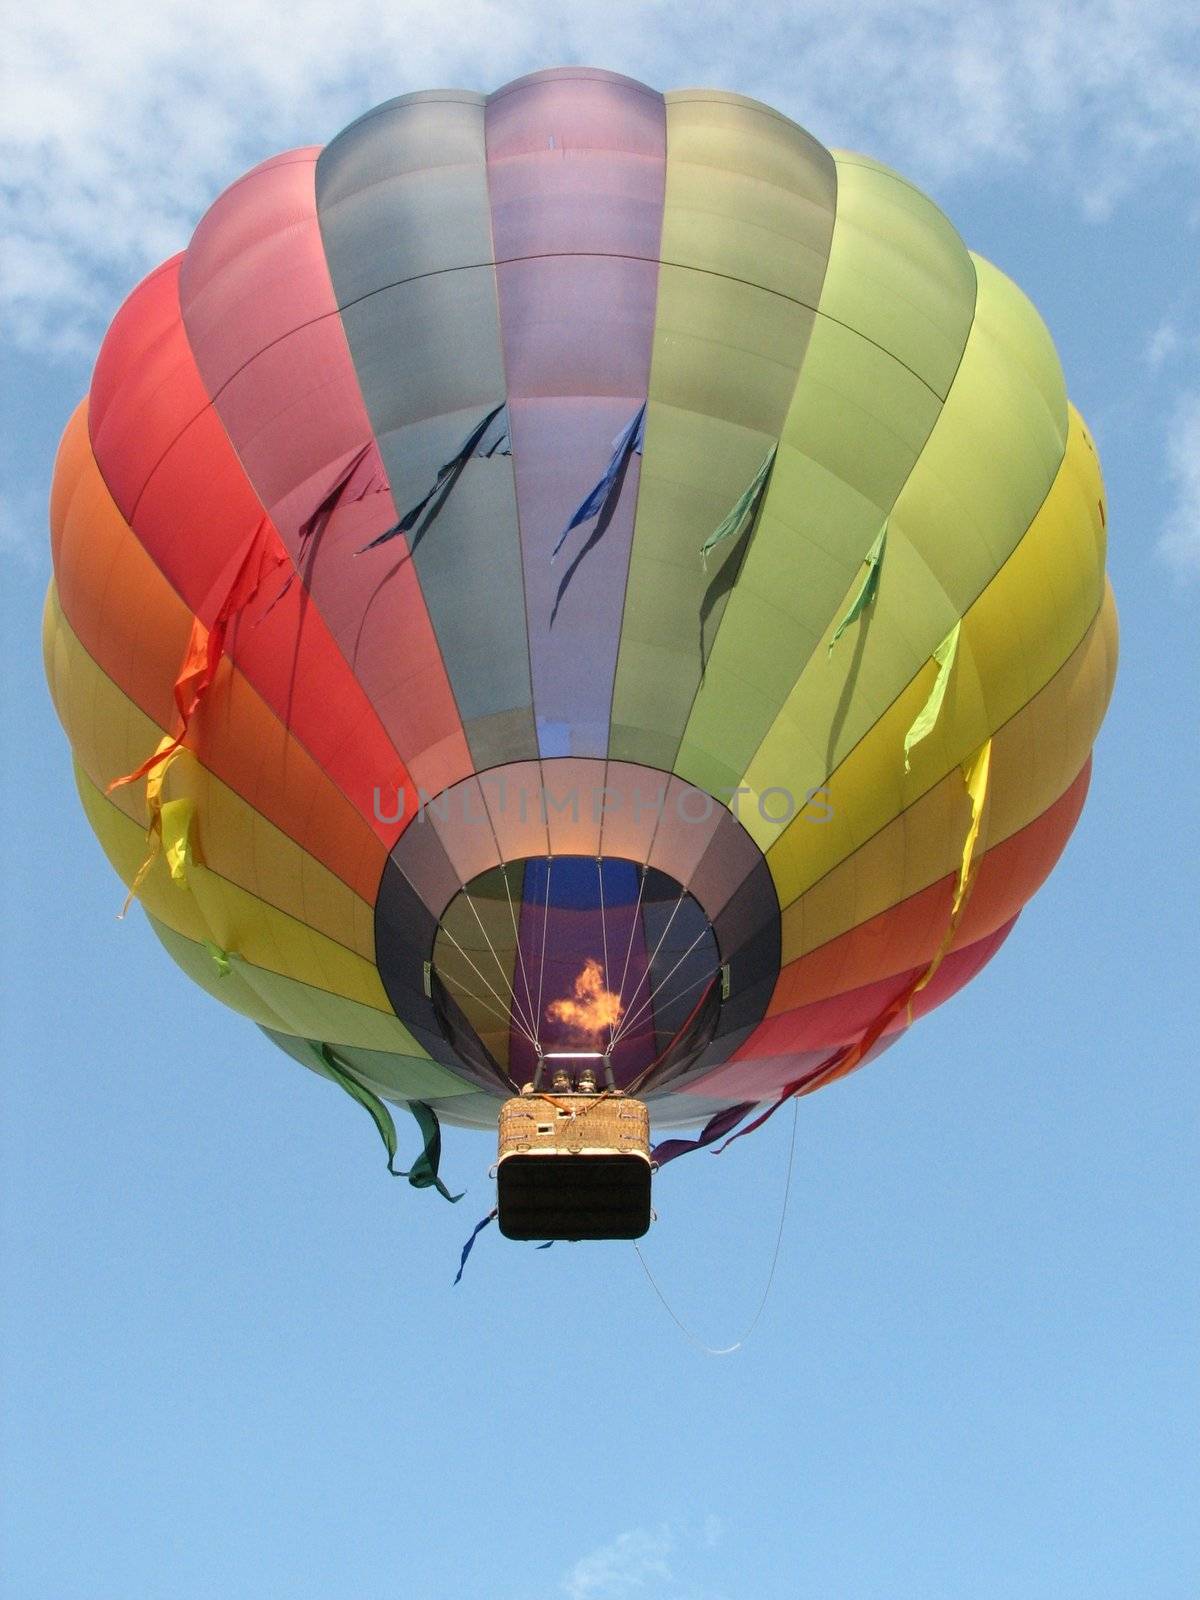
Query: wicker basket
{"points": [[574, 1166]]}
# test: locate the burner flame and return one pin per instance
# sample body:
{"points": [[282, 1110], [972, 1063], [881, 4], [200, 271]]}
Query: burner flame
{"points": [[594, 1008]]}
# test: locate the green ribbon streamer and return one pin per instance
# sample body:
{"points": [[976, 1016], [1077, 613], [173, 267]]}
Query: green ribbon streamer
{"points": [[423, 1174], [866, 592], [927, 716], [220, 958], [747, 504]]}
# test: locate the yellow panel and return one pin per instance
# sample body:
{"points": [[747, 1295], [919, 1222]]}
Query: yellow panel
{"points": [[310, 985], [1035, 758]]}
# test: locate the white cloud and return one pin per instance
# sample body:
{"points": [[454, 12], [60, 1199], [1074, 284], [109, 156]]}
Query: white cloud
{"points": [[1180, 541], [1162, 345], [119, 122], [22, 529], [630, 1564]]}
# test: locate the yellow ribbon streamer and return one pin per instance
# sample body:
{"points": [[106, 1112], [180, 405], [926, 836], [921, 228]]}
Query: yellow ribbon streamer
{"points": [[156, 773], [169, 827], [976, 771], [176, 829]]}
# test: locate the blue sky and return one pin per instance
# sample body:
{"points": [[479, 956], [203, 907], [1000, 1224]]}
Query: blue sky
{"points": [[232, 1361]]}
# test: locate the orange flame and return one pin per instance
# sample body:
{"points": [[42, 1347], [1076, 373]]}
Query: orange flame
{"points": [[594, 1007]]}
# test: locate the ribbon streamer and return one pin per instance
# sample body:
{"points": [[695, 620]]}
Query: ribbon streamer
{"points": [[159, 764], [362, 475], [715, 1128], [470, 1244], [976, 772], [867, 589], [254, 561], [926, 718], [628, 442], [746, 506], [474, 444], [423, 1174]]}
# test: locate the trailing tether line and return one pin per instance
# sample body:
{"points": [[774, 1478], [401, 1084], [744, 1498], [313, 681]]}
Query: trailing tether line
{"points": [[729, 1349]]}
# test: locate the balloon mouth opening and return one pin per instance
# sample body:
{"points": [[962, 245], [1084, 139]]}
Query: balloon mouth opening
{"points": [[577, 956]]}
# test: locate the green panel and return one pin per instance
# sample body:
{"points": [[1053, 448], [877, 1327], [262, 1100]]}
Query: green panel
{"points": [[912, 289], [194, 959], [395, 1076], [895, 313], [298, 1008], [980, 481], [392, 1077], [746, 225]]}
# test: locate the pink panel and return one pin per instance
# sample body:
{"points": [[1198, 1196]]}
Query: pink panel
{"points": [[261, 315]]}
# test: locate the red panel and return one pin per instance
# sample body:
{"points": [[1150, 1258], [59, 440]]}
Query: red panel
{"points": [[136, 628], [782, 1048]]}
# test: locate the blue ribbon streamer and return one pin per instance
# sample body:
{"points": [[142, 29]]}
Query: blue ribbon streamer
{"points": [[628, 442]]}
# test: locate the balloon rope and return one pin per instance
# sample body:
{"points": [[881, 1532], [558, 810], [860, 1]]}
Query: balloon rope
{"points": [[629, 947], [457, 983], [517, 941], [537, 1044], [728, 1350], [658, 987], [656, 1063], [512, 1000], [654, 956], [604, 935], [707, 979], [486, 984]]}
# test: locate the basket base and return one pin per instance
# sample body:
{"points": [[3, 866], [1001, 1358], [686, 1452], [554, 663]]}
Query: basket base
{"points": [[574, 1196]]}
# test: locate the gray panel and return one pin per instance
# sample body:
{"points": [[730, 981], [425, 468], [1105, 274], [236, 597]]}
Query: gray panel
{"points": [[402, 197]]}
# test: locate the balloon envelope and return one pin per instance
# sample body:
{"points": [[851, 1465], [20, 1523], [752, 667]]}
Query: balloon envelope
{"points": [[621, 576]]}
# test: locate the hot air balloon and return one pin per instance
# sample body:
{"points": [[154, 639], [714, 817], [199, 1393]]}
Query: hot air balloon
{"points": [[585, 588]]}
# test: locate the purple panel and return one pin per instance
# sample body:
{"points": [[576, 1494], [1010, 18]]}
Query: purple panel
{"points": [[634, 802], [690, 820], [576, 176]]}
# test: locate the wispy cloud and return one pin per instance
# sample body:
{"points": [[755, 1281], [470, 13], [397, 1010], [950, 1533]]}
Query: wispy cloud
{"points": [[627, 1565], [1180, 541], [22, 529], [120, 122], [1162, 345]]}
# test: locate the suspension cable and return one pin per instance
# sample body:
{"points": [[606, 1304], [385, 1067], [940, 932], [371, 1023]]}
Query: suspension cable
{"points": [[604, 938], [515, 1017], [657, 948], [458, 984], [517, 942], [657, 989], [633, 926], [542, 967], [504, 978]]}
